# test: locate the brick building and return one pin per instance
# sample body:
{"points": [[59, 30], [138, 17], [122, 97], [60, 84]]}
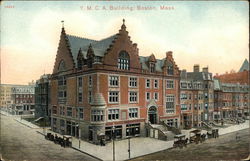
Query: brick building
{"points": [[5, 97], [232, 93], [23, 97], [42, 95], [104, 86], [231, 100], [196, 97]]}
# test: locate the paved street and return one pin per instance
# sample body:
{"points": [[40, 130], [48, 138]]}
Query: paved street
{"points": [[226, 147], [19, 142]]}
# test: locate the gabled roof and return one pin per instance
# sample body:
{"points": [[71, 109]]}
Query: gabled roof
{"points": [[99, 47], [244, 66]]}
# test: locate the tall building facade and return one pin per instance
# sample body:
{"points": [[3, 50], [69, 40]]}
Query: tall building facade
{"points": [[102, 86], [42, 95], [196, 97]]}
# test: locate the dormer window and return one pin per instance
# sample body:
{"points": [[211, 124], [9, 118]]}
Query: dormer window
{"points": [[170, 69], [89, 62], [79, 64], [123, 60], [97, 59], [152, 67]]}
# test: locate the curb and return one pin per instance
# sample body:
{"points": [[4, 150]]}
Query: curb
{"points": [[87, 153], [26, 124]]}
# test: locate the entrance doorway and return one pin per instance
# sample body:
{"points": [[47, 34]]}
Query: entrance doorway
{"points": [[152, 115]]}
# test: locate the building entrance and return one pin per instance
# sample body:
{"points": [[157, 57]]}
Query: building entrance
{"points": [[152, 115]]}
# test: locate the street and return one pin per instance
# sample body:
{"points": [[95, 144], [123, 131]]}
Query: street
{"points": [[226, 147], [19, 142]]}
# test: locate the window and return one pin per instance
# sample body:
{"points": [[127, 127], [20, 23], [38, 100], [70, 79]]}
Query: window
{"points": [[79, 81], [97, 59], [152, 67], [156, 96], [132, 82], [62, 81], [170, 70], [132, 97], [183, 85], [90, 81], [54, 110], [147, 83], [79, 96], [113, 114], [113, 81], [190, 106], [183, 107], [90, 97], [183, 96], [81, 113], [206, 96], [113, 97], [133, 113], [69, 111], [170, 84], [170, 104], [62, 110], [147, 96], [156, 83], [123, 61], [97, 115]]}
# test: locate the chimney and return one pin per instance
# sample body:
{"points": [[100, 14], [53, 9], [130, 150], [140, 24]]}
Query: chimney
{"points": [[205, 69], [184, 74], [169, 54], [196, 68]]}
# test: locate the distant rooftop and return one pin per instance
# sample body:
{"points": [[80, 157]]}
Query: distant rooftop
{"points": [[244, 66]]}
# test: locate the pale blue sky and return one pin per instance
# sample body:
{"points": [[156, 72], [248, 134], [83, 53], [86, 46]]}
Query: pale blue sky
{"points": [[205, 32]]}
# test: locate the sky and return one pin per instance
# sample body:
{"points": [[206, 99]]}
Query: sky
{"points": [[209, 33]]}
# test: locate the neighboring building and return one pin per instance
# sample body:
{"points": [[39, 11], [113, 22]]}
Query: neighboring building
{"points": [[196, 97], [5, 97], [234, 90], [23, 99], [231, 100], [104, 85], [42, 91]]}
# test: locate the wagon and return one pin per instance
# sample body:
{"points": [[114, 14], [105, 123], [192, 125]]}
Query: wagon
{"points": [[180, 141], [197, 136]]}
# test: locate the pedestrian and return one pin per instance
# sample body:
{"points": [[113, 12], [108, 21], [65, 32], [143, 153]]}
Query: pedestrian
{"points": [[237, 136]]}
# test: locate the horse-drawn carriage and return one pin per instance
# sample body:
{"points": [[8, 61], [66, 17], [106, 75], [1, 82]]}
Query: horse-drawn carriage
{"points": [[180, 141], [195, 136], [213, 133]]}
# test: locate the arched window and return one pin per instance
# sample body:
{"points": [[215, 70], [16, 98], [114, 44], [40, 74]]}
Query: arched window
{"points": [[62, 66], [170, 69], [123, 60]]}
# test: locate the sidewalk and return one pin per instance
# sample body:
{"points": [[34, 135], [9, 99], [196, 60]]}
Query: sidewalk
{"points": [[139, 146], [22, 121]]}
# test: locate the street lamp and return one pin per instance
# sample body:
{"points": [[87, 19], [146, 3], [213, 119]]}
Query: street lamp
{"points": [[128, 137]]}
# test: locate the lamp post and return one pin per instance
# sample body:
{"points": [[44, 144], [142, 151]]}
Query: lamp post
{"points": [[113, 136], [129, 137]]}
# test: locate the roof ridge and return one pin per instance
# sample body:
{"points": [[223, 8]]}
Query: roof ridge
{"points": [[81, 37], [107, 37]]}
